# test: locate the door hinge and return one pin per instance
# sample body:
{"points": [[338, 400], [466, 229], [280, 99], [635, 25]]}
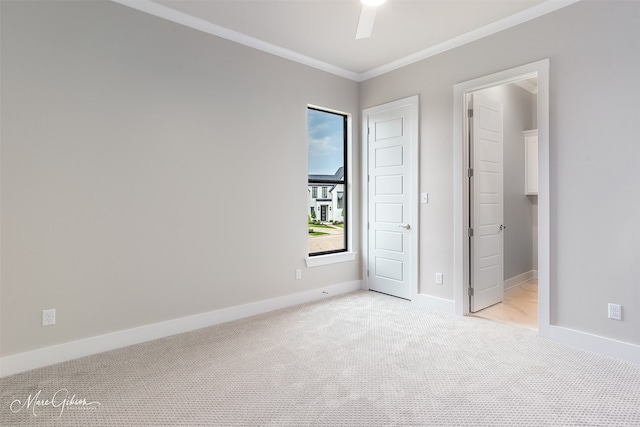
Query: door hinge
{"points": [[470, 232], [470, 172], [368, 226], [368, 130], [368, 178], [470, 292], [470, 112], [367, 273]]}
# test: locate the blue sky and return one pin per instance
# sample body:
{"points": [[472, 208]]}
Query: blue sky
{"points": [[326, 142]]}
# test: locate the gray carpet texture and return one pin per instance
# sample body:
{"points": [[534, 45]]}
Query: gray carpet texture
{"points": [[362, 359]]}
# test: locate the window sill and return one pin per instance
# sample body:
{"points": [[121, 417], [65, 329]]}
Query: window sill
{"points": [[319, 260]]}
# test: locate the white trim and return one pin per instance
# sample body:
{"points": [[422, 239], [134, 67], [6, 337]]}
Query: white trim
{"points": [[461, 205], [364, 197], [477, 34], [21, 362], [598, 344], [520, 278], [329, 110], [316, 261], [414, 102], [435, 303], [187, 20], [415, 187]]}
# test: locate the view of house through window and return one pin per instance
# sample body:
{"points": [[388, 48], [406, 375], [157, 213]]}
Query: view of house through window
{"points": [[327, 139]]}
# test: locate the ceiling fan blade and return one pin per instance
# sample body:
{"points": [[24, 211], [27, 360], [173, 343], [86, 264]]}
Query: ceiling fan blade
{"points": [[365, 25]]}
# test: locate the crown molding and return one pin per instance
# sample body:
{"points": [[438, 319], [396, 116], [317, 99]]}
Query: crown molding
{"points": [[190, 21], [490, 29]]}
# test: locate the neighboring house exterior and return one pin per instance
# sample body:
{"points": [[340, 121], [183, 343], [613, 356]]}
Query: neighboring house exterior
{"points": [[326, 197]]}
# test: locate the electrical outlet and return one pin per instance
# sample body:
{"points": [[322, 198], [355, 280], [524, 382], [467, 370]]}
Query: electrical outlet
{"points": [[298, 274], [439, 278], [615, 311], [49, 317]]}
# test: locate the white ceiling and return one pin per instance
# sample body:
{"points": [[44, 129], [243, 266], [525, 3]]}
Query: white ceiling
{"points": [[321, 33]]}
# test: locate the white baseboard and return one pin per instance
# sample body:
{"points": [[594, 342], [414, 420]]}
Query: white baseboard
{"points": [[520, 278], [598, 344], [440, 304], [21, 362]]}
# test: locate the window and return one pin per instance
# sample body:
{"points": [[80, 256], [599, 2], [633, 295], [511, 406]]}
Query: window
{"points": [[327, 144]]}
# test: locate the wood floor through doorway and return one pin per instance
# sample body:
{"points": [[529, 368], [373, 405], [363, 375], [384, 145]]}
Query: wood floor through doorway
{"points": [[519, 307]]}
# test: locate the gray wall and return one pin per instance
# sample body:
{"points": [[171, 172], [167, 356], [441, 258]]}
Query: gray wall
{"points": [[135, 157], [518, 212], [594, 152], [133, 148]]}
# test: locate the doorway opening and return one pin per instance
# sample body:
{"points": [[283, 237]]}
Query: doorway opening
{"points": [[503, 202], [525, 263]]}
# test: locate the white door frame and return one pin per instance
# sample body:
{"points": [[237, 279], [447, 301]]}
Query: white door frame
{"points": [[414, 102], [461, 185]]}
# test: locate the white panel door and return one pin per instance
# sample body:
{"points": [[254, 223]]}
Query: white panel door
{"points": [[391, 133], [487, 244]]}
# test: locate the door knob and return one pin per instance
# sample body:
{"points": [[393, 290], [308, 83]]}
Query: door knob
{"points": [[405, 226], [502, 227]]}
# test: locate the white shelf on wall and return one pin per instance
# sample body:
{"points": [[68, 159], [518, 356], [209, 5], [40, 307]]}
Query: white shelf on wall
{"points": [[531, 162]]}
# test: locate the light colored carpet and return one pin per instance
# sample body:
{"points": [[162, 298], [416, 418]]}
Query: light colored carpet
{"points": [[362, 359]]}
